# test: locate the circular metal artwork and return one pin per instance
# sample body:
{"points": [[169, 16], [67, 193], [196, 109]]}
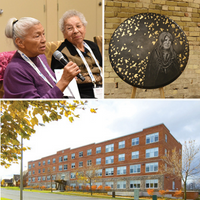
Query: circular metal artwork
{"points": [[148, 50]]}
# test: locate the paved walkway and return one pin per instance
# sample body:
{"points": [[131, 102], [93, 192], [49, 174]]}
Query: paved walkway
{"points": [[15, 195]]}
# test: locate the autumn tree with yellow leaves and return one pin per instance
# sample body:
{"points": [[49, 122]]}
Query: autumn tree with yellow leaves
{"points": [[87, 175], [19, 118], [183, 164]]}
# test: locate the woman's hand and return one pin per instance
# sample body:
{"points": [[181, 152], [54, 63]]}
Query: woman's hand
{"points": [[69, 72]]}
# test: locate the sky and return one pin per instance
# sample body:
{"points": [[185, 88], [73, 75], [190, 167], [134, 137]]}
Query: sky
{"points": [[114, 118]]}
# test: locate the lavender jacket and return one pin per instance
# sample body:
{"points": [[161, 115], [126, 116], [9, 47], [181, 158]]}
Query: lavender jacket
{"points": [[22, 81]]}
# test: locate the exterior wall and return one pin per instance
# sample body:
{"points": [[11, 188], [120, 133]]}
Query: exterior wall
{"points": [[186, 14], [127, 150]]}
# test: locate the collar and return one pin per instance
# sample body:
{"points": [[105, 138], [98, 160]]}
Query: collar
{"points": [[72, 49]]}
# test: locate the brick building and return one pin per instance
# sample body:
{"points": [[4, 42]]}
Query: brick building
{"points": [[186, 14], [123, 163]]}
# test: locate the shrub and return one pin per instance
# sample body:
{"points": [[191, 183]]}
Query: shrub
{"points": [[93, 187], [178, 193], [43, 187], [87, 187], [100, 187], [150, 191], [107, 188]]}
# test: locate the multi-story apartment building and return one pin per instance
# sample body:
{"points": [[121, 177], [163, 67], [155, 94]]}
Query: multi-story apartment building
{"points": [[123, 163]]}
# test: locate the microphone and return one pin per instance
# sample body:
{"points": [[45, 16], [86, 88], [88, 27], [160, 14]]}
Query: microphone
{"points": [[58, 56]]}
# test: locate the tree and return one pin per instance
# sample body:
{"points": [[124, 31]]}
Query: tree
{"points": [[88, 174], [19, 118], [182, 166]]}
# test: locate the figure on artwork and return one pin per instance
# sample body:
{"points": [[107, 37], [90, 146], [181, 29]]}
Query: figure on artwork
{"points": [[163, 66]]}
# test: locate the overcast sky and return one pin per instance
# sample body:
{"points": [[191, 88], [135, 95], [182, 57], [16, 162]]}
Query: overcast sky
{"points": [[114, 118]]}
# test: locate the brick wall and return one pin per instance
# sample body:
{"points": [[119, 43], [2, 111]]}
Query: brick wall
{"points": [[186, 14], [127, 150]]}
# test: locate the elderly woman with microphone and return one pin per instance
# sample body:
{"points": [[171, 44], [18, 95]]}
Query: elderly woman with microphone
{"points": [[28, 74], [83, 52]]}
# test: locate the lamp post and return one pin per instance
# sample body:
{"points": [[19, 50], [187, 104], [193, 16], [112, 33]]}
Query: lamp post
{"points": [[21, 170], [21, 167]]}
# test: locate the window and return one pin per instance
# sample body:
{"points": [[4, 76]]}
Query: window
{"points": [[33, 171], [48, 178], [150, 153], [109, 171], [135, 141], [73, 175], [39, 164], [135, 155], [54, 160], [165, 152], [80, 164], [60, 159], [98, 161], [151, 138], [121, 145], [165, 137], [98, 172], [135, 184], [73, 165], [29, 180], [121, 184], [98, 150], [110, 184], [152, 167], [53, 177], [80, 154], [29, 166], [54, 168], [73, 185], [98, 184], [152, 183], [29, 173], [65, 167], [48, 162], [135, 169], [65, 158], [43, 170], [62, 176], [43, 162], [89, 152], [73, 156], [89, 162], [44, 178], [121, 157], [121, 170], [60, 167], [33, 164], [39, 178], [33, 179], [39, 171], [109, 159], [173, 185], [109, 148]]}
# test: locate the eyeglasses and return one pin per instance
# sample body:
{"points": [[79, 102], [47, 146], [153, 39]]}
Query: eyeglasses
{"points": [[72, 28]]}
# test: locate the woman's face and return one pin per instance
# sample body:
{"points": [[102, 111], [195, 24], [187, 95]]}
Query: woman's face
{"points": [[74, 30], [33, 44], [166, 43]]}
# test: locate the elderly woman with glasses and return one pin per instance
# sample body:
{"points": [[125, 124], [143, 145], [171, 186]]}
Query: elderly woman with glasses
{"points": [[28, 74], [83, 52]]}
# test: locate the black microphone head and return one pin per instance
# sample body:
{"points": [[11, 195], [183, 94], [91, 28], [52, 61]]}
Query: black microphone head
{"points": [[58, 55]]}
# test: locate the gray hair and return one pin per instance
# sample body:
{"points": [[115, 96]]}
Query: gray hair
{"points": [[18, 28], [67, 15]]}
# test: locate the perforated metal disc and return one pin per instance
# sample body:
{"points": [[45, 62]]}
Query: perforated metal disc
{"points": [[148, 50]]}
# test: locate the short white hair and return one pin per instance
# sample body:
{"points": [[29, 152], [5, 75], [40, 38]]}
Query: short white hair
{"points": [[18, 28], [67, 15]]}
